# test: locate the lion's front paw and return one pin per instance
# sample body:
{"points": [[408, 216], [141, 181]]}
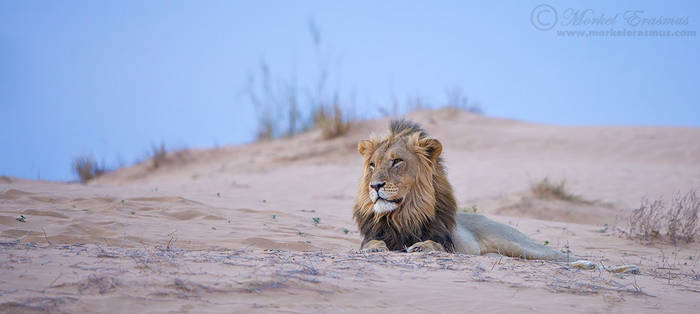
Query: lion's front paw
{"points": [[425, 246], [374, 246]]}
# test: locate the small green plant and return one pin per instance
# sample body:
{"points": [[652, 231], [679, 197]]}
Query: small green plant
{"points": [[474, 209], [21, 218], [566, 249], [133, 212], [316, 220], [218, 194], [546, 242], [274, 216], [346, 231], [300, 233]]}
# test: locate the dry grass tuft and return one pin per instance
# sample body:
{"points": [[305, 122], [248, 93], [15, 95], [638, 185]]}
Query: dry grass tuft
{"points": [[546, 189], [679, 220], [331, 122], [456, 99], [159, 155], [86, 168]]}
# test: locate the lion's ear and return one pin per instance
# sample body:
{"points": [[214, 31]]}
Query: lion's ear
{"points": [[432, 147], [365, 147]]}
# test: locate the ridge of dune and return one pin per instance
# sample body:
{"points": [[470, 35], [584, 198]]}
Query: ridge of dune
{"points": [[614, 164]]}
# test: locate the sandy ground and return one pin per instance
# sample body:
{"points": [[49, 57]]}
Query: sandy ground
{"points": [[268, 227]]}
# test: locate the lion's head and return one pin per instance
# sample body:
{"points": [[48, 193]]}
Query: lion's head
{"points": [[404, 196]]}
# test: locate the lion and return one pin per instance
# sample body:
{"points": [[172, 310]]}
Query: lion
{"points": [[405, 203]]}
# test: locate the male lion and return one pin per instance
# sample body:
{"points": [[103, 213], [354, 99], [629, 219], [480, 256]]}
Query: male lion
{"points": [[405, 202]]}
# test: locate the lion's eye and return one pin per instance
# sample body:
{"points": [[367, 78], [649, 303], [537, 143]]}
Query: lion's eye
{"points": [[371, 165], [396, 161]]}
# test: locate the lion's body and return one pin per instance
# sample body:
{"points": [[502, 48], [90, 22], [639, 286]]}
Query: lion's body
{"points": [[409, 204], [476, 234]]}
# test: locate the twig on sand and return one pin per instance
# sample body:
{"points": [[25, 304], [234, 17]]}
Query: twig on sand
{"points": [[498, 261], [51, 284], [171, 241], [46, 237]]}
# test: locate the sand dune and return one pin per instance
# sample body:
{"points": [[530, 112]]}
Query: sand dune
{"points": [[268, 227]]}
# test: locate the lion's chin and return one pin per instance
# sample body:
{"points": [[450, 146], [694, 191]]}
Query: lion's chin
{"points": [[383, 206]]}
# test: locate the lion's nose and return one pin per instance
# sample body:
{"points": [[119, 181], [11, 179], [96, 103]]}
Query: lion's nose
{"points": [[377, 186]]}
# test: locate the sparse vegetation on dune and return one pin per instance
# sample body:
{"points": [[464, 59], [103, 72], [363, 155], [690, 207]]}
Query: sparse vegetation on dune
{"points": [[654, 220], [281, 112], [547, 189], [158, 155], [331, 122], [286, 107], [458, 100], [86, 168]]}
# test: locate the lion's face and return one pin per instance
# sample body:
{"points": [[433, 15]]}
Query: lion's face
{"points": [[393, 168], [392, 171]]}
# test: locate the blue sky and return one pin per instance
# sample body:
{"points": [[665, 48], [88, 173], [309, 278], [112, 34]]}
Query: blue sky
{"points": [[108, 78]]}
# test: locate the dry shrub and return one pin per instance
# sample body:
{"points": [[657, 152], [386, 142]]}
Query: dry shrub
{"points": [[456, 99], [87, 168], [679, 220], [683, 217], [158, 155], [331, 122], [645, 222], [546, 189]]}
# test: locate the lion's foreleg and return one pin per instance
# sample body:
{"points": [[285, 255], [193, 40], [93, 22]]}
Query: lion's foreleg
{"points": [[426, 246], [374, 246]]}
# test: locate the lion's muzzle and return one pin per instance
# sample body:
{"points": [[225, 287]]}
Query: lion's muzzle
{"points": [[384, 197]]}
